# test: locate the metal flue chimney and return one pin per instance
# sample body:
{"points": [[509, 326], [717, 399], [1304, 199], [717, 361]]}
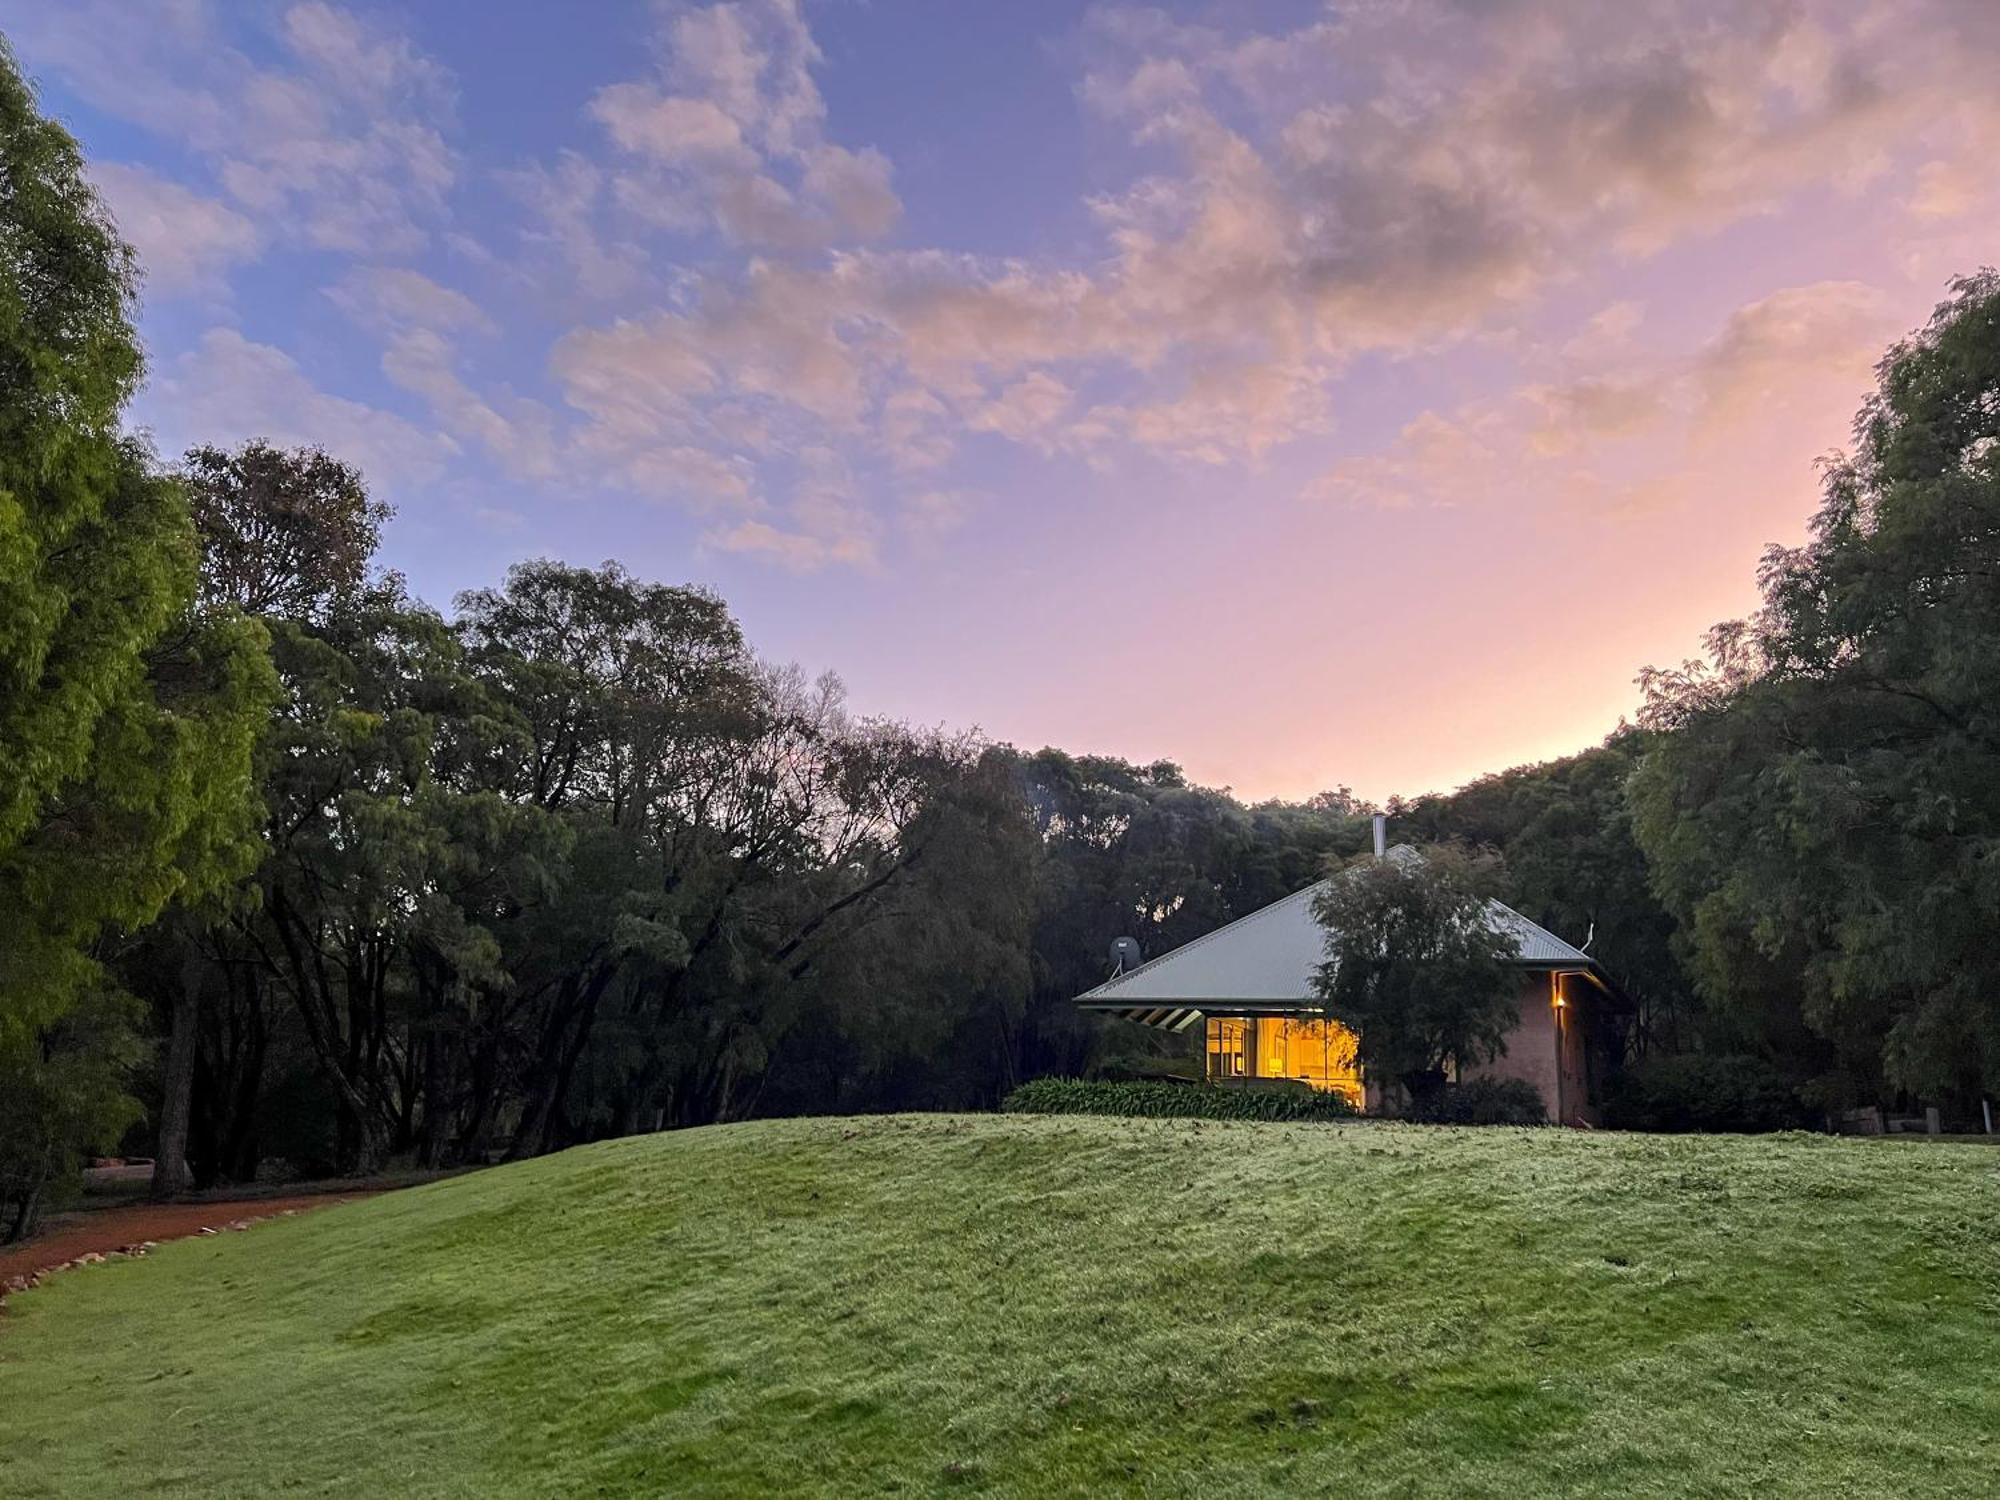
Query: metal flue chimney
{"points": [[1381, 834]]}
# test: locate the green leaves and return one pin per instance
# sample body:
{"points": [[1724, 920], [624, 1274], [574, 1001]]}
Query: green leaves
{"points": [[1413, 965], [1823, 814], [287, 533], [659, 943], [1176, 1101], [126, 719]]}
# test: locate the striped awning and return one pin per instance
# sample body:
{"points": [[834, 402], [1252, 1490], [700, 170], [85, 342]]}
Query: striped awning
{"points": [[1163, 1019]]}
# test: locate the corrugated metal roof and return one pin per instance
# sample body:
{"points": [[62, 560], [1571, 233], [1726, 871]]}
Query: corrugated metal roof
{"points": [[1268, 959]]}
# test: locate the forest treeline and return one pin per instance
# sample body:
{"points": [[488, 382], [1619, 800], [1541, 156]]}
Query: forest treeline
{"points": [[297, 869]]}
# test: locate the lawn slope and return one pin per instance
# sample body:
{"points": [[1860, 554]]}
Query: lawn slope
{"points": [[1023, 1306]]}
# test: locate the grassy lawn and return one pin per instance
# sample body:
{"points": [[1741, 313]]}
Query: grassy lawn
{"points": [[1021, 1306]]}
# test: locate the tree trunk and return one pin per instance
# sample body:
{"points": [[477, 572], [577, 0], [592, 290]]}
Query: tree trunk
{"points": [[428, 1134], [476, 1140], [1424, 1085], [27, 1216], [170, 1168], [239, 1151], [564, 1035], [555, 1111], [360, 1139]]}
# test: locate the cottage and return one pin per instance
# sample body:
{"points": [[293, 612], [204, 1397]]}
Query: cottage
{"points": [[1249, 987]]}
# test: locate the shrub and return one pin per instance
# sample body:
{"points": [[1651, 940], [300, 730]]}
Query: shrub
{"points": [[1198, 1101], [1482, 1101], [1693, 1091]]}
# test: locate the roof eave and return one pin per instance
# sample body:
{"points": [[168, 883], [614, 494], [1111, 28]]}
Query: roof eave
{"points": [[1105, 996], [1218, 1007]]}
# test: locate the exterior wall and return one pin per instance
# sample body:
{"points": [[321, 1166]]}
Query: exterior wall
{"points": [[1548, 1047], [1557, 1049]]}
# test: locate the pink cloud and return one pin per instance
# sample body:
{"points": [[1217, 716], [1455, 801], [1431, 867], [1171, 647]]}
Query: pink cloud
{"points": [[797, 551], [229, 388], [341, 147], [1772, 386], [186, 241], [729, 132]]}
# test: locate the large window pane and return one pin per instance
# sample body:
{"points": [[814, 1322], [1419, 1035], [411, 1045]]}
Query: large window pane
{"points": [[1228, 1046], [1320, 1053]]}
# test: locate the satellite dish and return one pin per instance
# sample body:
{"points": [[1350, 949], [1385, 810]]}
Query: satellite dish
{"points": [[1124, 954]]}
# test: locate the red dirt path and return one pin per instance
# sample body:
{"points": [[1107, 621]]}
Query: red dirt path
{"points": [[105, 1231]]}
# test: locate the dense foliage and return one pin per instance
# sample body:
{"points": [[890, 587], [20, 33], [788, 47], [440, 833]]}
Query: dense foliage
{"points": [[127, 715], [1822, 807], [1574, 865], [1705, 1092], [1173, 1101], [1415, 967], [282, 533], [576, 863]]}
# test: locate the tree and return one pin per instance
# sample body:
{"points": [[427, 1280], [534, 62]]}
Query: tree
{"points": [[1822, 802], [126, 716], [283, 532], [637, 706], [1414, 965], [287, 535], [387, 868]]}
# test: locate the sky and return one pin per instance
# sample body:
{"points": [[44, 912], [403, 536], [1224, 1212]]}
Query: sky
{"points": [[1312, 394]]}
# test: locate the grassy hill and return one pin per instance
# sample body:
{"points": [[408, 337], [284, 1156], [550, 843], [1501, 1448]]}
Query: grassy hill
{"points": [[1023, 1306]]}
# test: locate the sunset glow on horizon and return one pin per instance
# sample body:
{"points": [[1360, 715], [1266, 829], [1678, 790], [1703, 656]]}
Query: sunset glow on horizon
{"points": [[1309, 394]]}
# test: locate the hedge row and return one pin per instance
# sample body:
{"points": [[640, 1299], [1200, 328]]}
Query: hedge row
{"points": [[1197, 1101]]}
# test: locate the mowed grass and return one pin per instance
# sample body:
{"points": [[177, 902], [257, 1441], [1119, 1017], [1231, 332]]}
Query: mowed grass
{"points": [[1039, 1306]]}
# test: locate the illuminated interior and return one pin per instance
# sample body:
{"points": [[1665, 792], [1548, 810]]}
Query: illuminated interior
{"points": [[1319, 1053], [1228, 1047]]}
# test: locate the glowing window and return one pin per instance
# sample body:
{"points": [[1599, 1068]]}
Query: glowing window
{"points": [[1319, 1053], [1228, 1046]]}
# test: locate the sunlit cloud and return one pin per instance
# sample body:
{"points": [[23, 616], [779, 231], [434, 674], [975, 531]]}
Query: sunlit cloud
{"points": [[1665, 428], [337, 142], [186, 241], [421, 323], [1551, 274], [229, 389], [730, 130]]}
